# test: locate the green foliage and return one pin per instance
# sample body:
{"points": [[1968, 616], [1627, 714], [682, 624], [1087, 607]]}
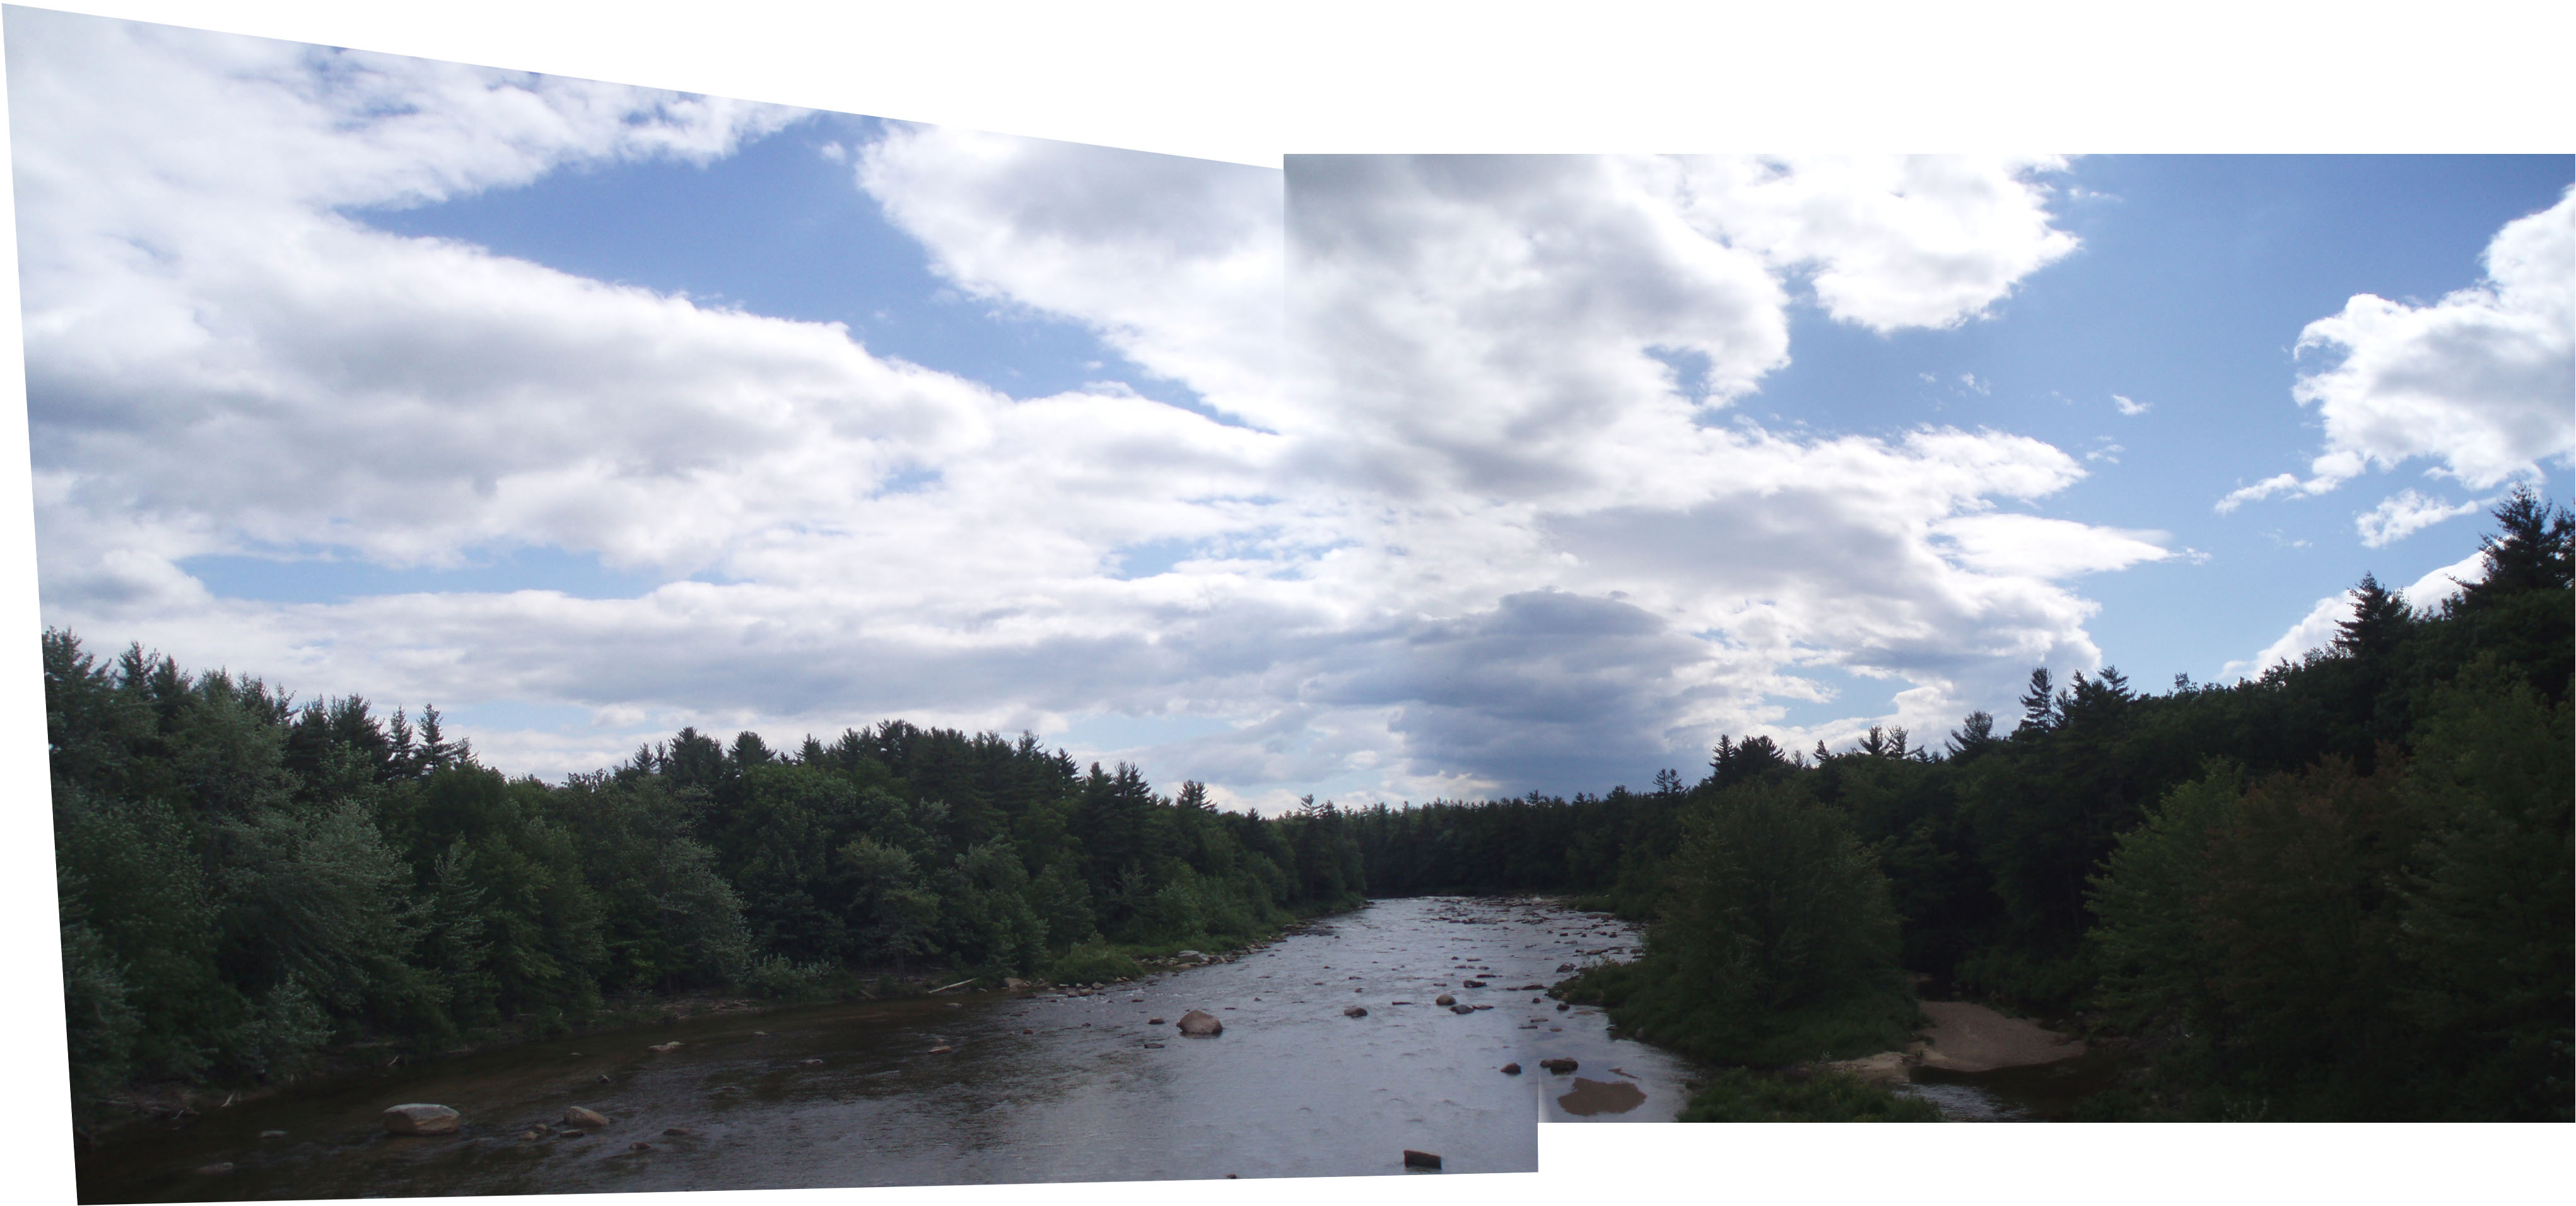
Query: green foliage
{"points": [[2483, 926], [1744, 1095], [1777, 941], [2328, 944], [1092, 962], [244, 882], [2338, 890]]}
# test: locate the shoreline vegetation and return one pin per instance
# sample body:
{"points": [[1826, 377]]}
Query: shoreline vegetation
{"points": [[2333, 892], [2336, 891], [249, 884], [176, 1101]]}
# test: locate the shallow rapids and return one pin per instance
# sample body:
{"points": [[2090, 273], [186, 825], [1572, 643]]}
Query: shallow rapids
{"points": [[1032, 1088]]}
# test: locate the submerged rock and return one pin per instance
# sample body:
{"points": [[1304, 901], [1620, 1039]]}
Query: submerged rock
{"points": [[420, 1118], [1592, 1097], [1353, 1011], [1462, 1009]]}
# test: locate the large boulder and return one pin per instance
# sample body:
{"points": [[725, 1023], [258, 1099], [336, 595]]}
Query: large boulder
{"points": [[420, 1118], [1199, 1023], [584, 1116]]}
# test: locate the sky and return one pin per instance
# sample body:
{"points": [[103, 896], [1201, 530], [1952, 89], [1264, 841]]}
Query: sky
{"points": [[586, 412]]}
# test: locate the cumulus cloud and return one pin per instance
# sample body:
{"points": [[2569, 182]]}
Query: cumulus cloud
{"points": [[221, 361], [2318, 628], [1889, 242], [2405, 513], [2481, 382], [1176, 262], [1470, 532]]}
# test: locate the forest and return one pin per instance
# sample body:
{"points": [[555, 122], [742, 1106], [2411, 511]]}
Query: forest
{"points": [[248, 884], [2340, 890]]}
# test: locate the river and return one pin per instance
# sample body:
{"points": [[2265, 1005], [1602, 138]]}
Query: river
{"points": [[1035, 1087]]}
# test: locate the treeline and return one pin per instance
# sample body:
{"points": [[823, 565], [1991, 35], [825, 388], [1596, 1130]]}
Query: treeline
{"points": [[2339, 890], [246, 881]]}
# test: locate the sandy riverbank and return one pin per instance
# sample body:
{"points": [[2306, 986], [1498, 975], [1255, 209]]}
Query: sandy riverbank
{"points": [[1966, 1037]]}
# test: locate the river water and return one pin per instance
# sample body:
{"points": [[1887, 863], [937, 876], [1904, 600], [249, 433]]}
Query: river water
{"points": [[1035, 1087]]}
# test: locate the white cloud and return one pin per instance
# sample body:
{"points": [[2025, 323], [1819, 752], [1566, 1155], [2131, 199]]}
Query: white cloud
{"points": [[1891, 242], [1478, 538], [2318, 628], [2428, 592], [2129, 406], [2314, 630], [2279, 483], [1175, 261], [2028, 545], [2483, 381], [2403, 514]]}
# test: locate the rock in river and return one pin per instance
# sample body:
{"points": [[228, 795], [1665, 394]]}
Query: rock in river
{"points": [[1462, 1009], [1559, 1066], [1444, 999], [420, 1118], [584, 1116], [1414, 1159], [1511, 1069], [1353, 1011], [1201, 1024]]}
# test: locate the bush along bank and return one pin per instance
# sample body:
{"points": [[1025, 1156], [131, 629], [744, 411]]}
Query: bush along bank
{"points": [[1775, 953], [248, 885], [2334, 891]]}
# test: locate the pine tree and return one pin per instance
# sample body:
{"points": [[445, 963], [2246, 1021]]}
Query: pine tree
{"points": [[2038, 705], [2533, 552], [2380, 619]]}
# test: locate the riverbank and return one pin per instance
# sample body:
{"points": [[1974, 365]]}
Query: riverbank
{"points": [[179, 1105], [1334, 1058]]}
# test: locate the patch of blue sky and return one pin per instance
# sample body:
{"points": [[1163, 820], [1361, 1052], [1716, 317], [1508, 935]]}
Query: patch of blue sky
{"points": [[910, 480], [1689, 367], [781, 228], [2195, 277], [1847, 695], [511, 715], [331, 576], [1111, 732], [1152, 557]]}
